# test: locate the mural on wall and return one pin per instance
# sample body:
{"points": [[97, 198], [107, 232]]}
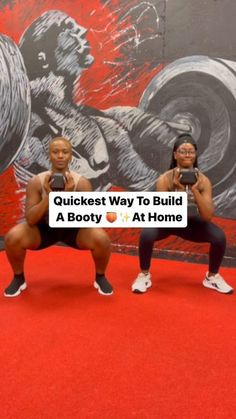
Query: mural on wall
{"points": [[97, 76], [103, 141]]}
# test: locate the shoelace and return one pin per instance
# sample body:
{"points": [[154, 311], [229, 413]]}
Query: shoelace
{"points": [[216, 277], [141, 277]]}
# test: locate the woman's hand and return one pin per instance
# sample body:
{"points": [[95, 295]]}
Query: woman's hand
{"points": [[176, 180], [47, 183], [197, 186], [69, 182]]}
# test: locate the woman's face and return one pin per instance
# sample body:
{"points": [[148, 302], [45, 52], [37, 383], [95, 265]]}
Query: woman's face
{"points": [[73, 50], [60, 154], [185, 155]]}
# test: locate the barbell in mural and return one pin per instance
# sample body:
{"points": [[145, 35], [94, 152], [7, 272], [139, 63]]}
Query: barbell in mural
{"points": [[123, 146], [15, 102], [201, 92]]}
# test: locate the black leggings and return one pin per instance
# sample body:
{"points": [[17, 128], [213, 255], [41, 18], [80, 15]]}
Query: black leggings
{"points": [[198, 231]]}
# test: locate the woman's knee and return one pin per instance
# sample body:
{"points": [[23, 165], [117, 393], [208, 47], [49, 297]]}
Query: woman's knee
{"points": [[101, 240], [22, 236], [13, 238], [148, 236], [218, 236]]}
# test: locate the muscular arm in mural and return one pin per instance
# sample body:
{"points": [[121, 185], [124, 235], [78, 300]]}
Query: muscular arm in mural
{"points": [[114, 147], [122, 151], [134, 159]]}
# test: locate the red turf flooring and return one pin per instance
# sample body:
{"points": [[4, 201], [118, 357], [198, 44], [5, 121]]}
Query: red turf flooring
{"points": [[68, 352]]}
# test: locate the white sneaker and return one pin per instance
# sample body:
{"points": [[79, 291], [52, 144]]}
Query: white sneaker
{"points": [[142, 283], [216, 282]]}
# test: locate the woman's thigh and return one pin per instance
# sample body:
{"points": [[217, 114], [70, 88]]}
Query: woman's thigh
{"points": [[23, 235]]}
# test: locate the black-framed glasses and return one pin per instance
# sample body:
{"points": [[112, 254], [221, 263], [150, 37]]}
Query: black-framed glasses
{"points": [[184, 152]]}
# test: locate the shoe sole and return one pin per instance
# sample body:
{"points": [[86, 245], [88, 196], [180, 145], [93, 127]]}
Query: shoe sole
{"points": [[100, 291], [206, 284], [18, 292], [137, 291]]}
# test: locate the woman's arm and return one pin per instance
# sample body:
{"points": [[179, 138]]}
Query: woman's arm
{"points": [[36, 205], [163, 183], [202, 192]]}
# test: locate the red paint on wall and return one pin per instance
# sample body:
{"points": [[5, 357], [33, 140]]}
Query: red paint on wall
{"points": [[94, 87], [10, 201]]}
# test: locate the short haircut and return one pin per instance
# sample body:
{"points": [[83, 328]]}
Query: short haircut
{"points": [[53, 140]]}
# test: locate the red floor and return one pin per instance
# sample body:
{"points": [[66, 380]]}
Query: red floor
{"points": [[68, 352]]}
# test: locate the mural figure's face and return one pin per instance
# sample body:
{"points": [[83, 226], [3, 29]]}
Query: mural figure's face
{"points": [[60, 155], [185, 155], [72, 51]]}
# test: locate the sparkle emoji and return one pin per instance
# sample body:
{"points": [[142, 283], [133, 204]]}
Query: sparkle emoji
{"points": [[125, 217], [111, 217]]}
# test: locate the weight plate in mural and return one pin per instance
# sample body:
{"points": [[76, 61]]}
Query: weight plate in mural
{"points": [[200, 92], [15, 101]]}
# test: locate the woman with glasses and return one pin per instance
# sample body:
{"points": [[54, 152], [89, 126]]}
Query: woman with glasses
{"points": [[200, 211]]}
